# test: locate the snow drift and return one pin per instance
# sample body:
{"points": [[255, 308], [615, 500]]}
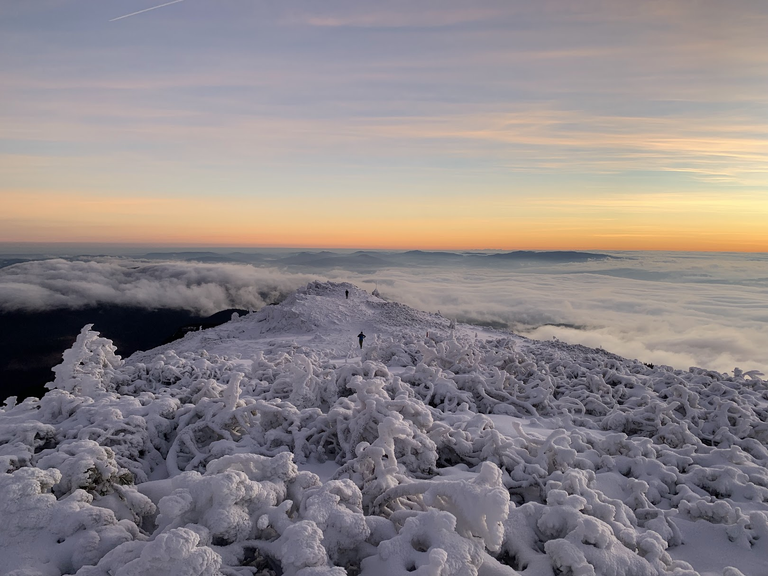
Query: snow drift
{"points": [[274, 445]]}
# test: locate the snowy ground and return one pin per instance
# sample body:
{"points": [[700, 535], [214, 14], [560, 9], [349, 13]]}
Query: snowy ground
{"points": [[274, 445]]}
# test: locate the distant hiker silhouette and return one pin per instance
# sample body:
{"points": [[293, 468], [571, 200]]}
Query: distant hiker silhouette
{"points": [[346, 293], [361, 337]]}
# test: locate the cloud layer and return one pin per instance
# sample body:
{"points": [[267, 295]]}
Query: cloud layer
{"points": [[203, 288], [681, 310], [677, 309]]}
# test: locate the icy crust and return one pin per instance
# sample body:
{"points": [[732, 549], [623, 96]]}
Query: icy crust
{"points": [[456, 455]]}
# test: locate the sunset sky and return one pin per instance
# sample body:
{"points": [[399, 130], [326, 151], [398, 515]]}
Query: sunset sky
{"points": [[437, 124]]}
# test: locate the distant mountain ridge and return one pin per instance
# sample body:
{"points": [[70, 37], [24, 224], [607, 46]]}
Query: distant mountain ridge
{"points": [[384, 258], [558, 256]]}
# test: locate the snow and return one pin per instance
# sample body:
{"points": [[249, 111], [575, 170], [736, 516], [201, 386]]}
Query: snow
{"points": [[273, 445]]}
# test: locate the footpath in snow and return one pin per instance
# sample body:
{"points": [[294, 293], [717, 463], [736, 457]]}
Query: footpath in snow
{"points": [[274, 445]]}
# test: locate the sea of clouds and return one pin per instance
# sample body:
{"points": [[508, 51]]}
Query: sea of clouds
{"points": [[679, 309]]}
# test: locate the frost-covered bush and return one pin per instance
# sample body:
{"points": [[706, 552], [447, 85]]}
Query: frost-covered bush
{"points": [[177, 552], [426, 545], [273, 445], [61, 534], [89, 367], [85, 465]]}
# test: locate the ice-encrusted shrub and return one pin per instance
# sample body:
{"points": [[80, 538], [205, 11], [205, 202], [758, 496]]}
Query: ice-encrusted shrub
{"points": [[399, 424], [37, 529], [392, 352], [178, 552], [124, 425], [296, 382], [439, 390], [301, 551], [233, 491], [336, 507], [88, 367], [375, 468], [20, 438], [561, 535], [427, 545], [84, 465], [251, 502], [479, 506]]}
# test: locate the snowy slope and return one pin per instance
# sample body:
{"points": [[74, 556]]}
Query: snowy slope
{"points": [[272, 444]]}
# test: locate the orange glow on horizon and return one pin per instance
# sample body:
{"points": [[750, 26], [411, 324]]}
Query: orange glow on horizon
{"points": [[51, 217]]}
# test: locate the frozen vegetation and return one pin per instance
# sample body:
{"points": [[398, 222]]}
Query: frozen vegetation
{"points": [[274, 445]]}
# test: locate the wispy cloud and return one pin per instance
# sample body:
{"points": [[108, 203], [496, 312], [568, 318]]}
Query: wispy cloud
{"points": [[530, 138], [405, 17]]}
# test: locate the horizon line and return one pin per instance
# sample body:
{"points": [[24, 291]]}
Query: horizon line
{"points": [[348, 248]]}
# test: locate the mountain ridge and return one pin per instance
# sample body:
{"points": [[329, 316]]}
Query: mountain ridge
{"points": [[275, 444]]}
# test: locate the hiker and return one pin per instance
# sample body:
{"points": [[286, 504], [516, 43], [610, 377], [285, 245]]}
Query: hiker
{"points": [[346, 294], [361, 337]]}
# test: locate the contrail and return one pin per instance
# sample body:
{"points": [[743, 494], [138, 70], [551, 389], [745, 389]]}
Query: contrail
{"points": [[146, 10]]}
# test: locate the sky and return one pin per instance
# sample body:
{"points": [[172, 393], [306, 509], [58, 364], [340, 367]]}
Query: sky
{"points": [[437, 124]]}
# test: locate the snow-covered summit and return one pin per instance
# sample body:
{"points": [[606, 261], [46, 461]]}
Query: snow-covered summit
{"points": [[274, 444], [321, 309]]}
